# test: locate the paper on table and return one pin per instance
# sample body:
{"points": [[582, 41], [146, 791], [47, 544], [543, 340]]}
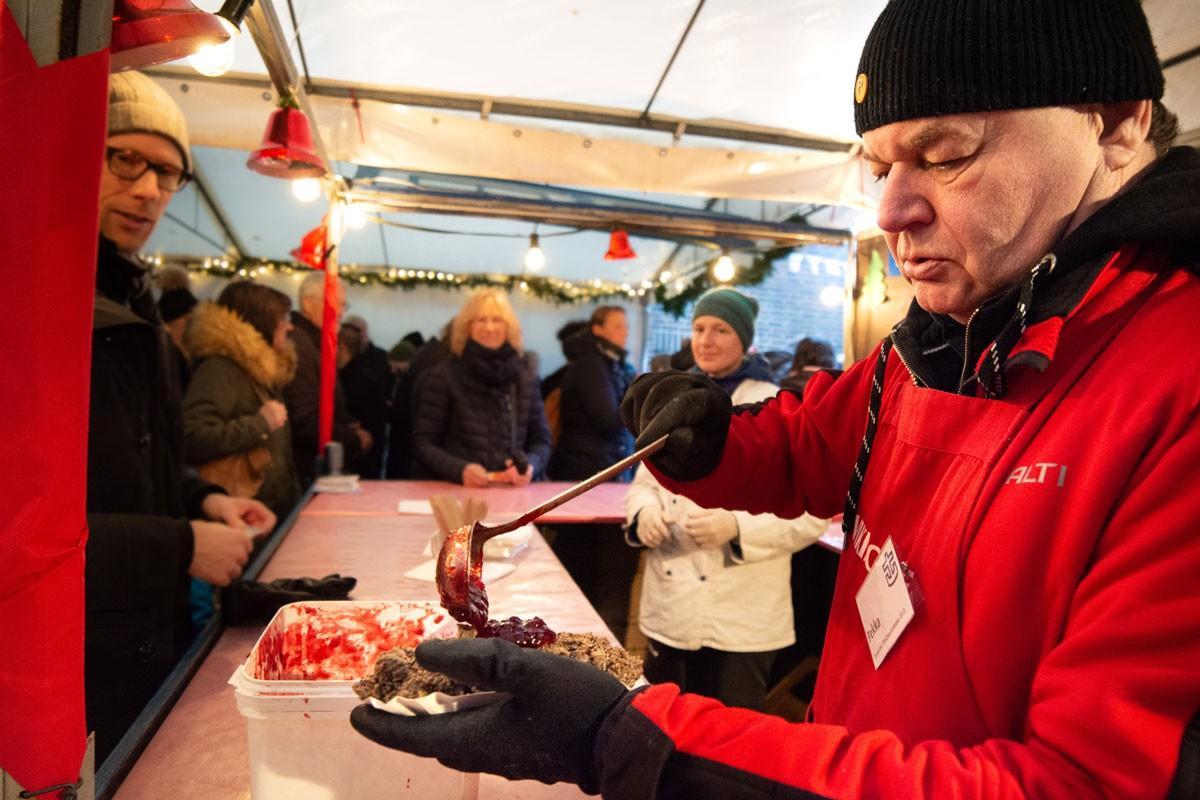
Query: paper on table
{"points": [[506, 545], [420, 507], [491, 571], [337, 484]]}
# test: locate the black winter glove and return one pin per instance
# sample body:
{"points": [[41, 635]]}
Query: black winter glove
{"points": [[689, 407], [250, 602], [545, 731]]}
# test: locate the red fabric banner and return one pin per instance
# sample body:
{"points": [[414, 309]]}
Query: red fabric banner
{"points": [[329, 337], [52, 123]]}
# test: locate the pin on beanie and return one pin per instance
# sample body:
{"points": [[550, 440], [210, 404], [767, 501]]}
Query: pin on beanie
{"points": [[927, 58], [136, 104], [738, 310]]}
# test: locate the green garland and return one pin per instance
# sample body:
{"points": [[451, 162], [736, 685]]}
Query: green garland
{"points": [[551, 290], [759, 270]]}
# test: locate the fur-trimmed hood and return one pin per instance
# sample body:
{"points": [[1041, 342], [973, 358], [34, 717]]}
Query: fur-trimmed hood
{"points": [[217, 331]]}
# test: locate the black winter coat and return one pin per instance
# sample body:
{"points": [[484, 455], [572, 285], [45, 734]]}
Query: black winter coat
{"points": [[139, 544], [303, 397], [366, 383], [462, 420], [593, 436], [400, 464]]}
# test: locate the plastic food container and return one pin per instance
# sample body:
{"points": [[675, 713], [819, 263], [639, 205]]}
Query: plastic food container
{"points": [[295, 692]]}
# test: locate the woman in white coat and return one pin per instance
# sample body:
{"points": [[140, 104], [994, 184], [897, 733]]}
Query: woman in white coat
{"points": [[716, 600]]}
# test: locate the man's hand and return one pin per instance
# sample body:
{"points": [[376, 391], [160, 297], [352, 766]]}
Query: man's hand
{"points": [[653, 526], [219, 552], [239, 512], [545, 730], [711, 527], [365, 440], [275, 413], [693, 410], [475, 475], [514, 476]]}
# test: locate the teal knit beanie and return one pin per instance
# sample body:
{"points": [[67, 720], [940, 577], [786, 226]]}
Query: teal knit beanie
{"points": [[730, 305]]}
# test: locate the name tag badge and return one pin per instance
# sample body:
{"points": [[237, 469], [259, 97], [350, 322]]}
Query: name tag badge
{"points": [[884, 603]]}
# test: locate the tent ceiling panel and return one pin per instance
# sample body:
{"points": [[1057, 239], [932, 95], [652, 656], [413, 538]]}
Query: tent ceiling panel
{"points": [[786, 65], [606, 52], [384, 135]]}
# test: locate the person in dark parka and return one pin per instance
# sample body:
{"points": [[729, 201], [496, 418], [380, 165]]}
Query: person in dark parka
{"points": [[593, 436], [367, 382], [480, 418], [150, 525], [400, 460], [244, 358]]}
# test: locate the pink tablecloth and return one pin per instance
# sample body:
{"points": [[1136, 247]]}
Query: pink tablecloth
{"points": [[200, 752]]}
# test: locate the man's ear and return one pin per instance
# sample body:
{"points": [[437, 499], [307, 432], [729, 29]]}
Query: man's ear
{"points": [[1126, 126]]}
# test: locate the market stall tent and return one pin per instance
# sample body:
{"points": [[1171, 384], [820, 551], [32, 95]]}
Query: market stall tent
{"points": [[681, 100]]}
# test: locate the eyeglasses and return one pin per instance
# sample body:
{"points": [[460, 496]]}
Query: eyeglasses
{"points": [[130, 166]]}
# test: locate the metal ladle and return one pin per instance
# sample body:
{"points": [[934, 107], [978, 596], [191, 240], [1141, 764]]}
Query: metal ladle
{"points": [[461, 556]]}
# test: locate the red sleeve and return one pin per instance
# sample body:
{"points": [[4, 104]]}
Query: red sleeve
{"points": [[1108, 707], [786, 456]]}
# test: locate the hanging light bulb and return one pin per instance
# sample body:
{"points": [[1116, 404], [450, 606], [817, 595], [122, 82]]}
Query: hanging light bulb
{"points": [[306, 190], [832, 296], [723, 270], [214, 60], [355, 216], [535, 258], [144, 34]]}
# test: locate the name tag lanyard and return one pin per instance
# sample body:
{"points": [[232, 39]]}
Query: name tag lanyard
{"points": [[850, 514]]}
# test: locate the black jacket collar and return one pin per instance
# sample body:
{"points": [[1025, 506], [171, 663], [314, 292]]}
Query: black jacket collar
{"points": [[1162, 208]]}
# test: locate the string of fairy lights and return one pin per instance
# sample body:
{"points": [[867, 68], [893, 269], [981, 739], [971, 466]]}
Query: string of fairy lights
{"points": [[674, 289]]}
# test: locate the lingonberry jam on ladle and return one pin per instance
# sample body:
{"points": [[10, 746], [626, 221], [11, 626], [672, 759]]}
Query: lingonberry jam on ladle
{"points": [[459, 575], [460, 585]]}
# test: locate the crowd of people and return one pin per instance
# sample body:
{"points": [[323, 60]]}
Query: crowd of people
{"points": [[1016, 611], [1015, 608], [204, 426]]}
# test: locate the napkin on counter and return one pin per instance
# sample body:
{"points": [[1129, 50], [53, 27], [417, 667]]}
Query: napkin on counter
{"points": [[337, 484], [418, 507]]}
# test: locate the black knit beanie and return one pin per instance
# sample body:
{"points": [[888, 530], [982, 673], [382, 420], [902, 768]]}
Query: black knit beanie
{"points": [[926, 58]]}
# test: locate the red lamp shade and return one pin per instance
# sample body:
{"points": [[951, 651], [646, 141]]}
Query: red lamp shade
{"points": [[287, 149], [618, 246], [312, 247], [147, 32]]}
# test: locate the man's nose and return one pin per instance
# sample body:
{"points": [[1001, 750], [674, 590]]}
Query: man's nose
{"points": [[146, 186], [903, 203]]}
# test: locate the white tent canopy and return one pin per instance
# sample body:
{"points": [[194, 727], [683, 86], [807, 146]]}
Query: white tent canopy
{"points": [[743, 66]]}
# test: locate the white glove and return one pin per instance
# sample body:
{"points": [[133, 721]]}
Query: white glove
{"points": [[652, 524], [710, 528]]}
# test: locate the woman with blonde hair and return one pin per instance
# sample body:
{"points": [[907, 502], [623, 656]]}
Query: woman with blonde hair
{"points": [[480, 420]]}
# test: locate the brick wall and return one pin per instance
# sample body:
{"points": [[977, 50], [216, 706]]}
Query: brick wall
{"points": [[789, 305]]}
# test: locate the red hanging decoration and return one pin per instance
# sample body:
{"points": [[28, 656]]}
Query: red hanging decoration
{"points": [[287, 149], [618, 246], [147, 32], [312, 247]]}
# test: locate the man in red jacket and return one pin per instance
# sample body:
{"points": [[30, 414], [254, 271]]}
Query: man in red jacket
{"points": [[1017, 612]]}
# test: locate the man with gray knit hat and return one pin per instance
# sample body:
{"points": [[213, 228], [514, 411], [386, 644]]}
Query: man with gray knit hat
{"points": [[151, 527], [1017, 610]]}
